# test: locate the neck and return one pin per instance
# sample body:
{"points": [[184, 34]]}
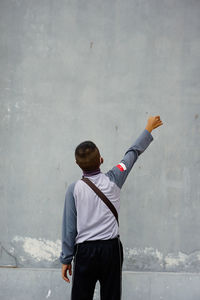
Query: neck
{"points": [[91, 173]]}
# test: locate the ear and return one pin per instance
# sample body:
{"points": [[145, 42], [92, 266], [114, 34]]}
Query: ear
{"points": [[101, 160]]}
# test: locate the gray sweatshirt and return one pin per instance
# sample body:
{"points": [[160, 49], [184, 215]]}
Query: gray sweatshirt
{"points": [[85, 215]]}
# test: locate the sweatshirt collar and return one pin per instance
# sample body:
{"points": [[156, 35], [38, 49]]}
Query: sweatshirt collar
{"points": [[91, 173]]}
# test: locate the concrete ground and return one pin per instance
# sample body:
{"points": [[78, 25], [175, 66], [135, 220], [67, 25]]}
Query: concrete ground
{"points": [[35, 283]]}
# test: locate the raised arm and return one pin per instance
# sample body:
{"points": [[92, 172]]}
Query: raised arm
{"points": [[119, 173]]}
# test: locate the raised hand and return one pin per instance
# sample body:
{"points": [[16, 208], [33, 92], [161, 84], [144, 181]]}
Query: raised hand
{"points": [[153, 122]]}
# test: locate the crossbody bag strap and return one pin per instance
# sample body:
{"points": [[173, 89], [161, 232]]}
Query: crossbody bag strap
{"points": [[102, 196]]}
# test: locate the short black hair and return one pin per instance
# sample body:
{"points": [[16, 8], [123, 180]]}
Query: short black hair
{"points": [[87, 156]]}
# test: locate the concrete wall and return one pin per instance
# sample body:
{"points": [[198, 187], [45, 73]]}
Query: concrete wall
{"points": [[76, 70], [46, 283]]}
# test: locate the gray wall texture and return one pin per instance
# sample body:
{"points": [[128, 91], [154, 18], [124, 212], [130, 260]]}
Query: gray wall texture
{"points": [[83, 69]]}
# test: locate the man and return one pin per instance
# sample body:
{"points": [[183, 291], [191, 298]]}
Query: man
{"points": [[90, 231]]}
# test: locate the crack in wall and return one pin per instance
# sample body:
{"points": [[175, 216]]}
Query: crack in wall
{"points": [[5, 256]]}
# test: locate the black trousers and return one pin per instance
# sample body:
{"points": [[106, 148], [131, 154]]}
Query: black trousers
{"points": [[98, 260]]}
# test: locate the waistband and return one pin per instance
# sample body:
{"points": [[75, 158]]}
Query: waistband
{"points": [[94, 242]]}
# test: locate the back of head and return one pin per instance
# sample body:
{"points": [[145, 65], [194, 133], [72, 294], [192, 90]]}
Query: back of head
{"points": [[87, 156]]}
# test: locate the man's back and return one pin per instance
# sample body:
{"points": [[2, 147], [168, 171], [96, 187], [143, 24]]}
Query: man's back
{"points": [[95, 221], [90, 231]]}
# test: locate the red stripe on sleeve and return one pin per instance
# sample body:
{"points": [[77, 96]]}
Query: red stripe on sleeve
{"points": [[120, 167]]}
